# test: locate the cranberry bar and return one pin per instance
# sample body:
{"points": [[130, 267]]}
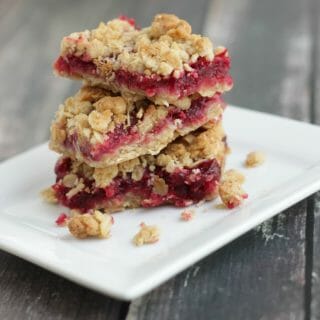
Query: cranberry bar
{"points": [[165, 62], [101, 128], [187, 171]]}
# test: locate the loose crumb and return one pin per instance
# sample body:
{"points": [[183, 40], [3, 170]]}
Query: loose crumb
{"points": [[230, 189], [255, 159], [146, 235], [62, 220], [187, 215], [87, 225], [48, 195]]}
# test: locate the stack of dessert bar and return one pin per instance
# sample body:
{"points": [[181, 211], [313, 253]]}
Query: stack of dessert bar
{"points": [[145, 129]]}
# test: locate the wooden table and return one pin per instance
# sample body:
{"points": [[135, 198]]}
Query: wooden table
{"points": [[272, 272]]}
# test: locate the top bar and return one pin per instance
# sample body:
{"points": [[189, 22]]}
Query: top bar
{"points": [[164, 62]]}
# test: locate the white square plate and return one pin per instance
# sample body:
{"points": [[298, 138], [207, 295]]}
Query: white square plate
{"points": [[115, 266]]}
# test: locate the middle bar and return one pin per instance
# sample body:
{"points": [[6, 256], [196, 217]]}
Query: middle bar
{"points": [[101, 128]]}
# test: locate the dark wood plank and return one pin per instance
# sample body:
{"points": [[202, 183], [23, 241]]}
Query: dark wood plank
{"points": [[315, 272], [29, 292], [315, 81], [261, 275]]}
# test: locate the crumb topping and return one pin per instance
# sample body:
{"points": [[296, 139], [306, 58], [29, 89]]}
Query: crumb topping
{"points": [[146, 235], [187, 215], [230, 189], [48, 195], [194, 147], [159, 186], [167, 46], [91, 117], [87, 225], [255, 159]]}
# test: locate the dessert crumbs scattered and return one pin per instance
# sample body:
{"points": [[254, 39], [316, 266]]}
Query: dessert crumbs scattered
{"points": [[62, 220], [254, 159], [146, 235], [48, 195], [95, 224], [230, 189], [187, 215]]}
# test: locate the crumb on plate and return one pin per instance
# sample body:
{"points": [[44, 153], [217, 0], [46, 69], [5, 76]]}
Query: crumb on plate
{"points": [[94, 224], [187, 215], [254, 159], [230, 189], [48, 195], [146, 235]]}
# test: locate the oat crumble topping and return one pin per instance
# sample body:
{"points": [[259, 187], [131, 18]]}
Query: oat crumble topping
{"points": [[87, 225], [146, 235], [230, 189], [254, 159], [48, 195], [167, 46]]}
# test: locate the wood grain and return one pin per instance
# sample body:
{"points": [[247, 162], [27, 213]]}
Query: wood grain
{"points": [[261, 275], [315, 83]]}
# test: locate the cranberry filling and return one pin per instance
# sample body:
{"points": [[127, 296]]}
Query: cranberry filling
{"points": [[75, 67], [185, 186], [122, 136], [205, 74]]}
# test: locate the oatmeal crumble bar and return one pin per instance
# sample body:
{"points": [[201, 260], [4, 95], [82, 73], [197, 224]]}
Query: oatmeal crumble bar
{"points": [[230, 189], [165, 61], [187, 171], [103, 129], [146, 235], [94, 224], [255, 159]]}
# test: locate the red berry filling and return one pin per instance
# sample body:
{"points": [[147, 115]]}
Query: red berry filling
{"points": [[62, 219], [121, 136], [205, 74], [185, 187]]}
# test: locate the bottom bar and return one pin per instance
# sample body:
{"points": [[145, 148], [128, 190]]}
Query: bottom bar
{"points": [[187, 171]]}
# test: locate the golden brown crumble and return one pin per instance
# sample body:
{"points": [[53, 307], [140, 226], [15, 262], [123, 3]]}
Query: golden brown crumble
{"points": [[146, 235], [195, 146], [230, 189], [167, 46], [254, 159], [103, 176], [159, 186], [48, 195], [187, 215], [87, 225]]}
